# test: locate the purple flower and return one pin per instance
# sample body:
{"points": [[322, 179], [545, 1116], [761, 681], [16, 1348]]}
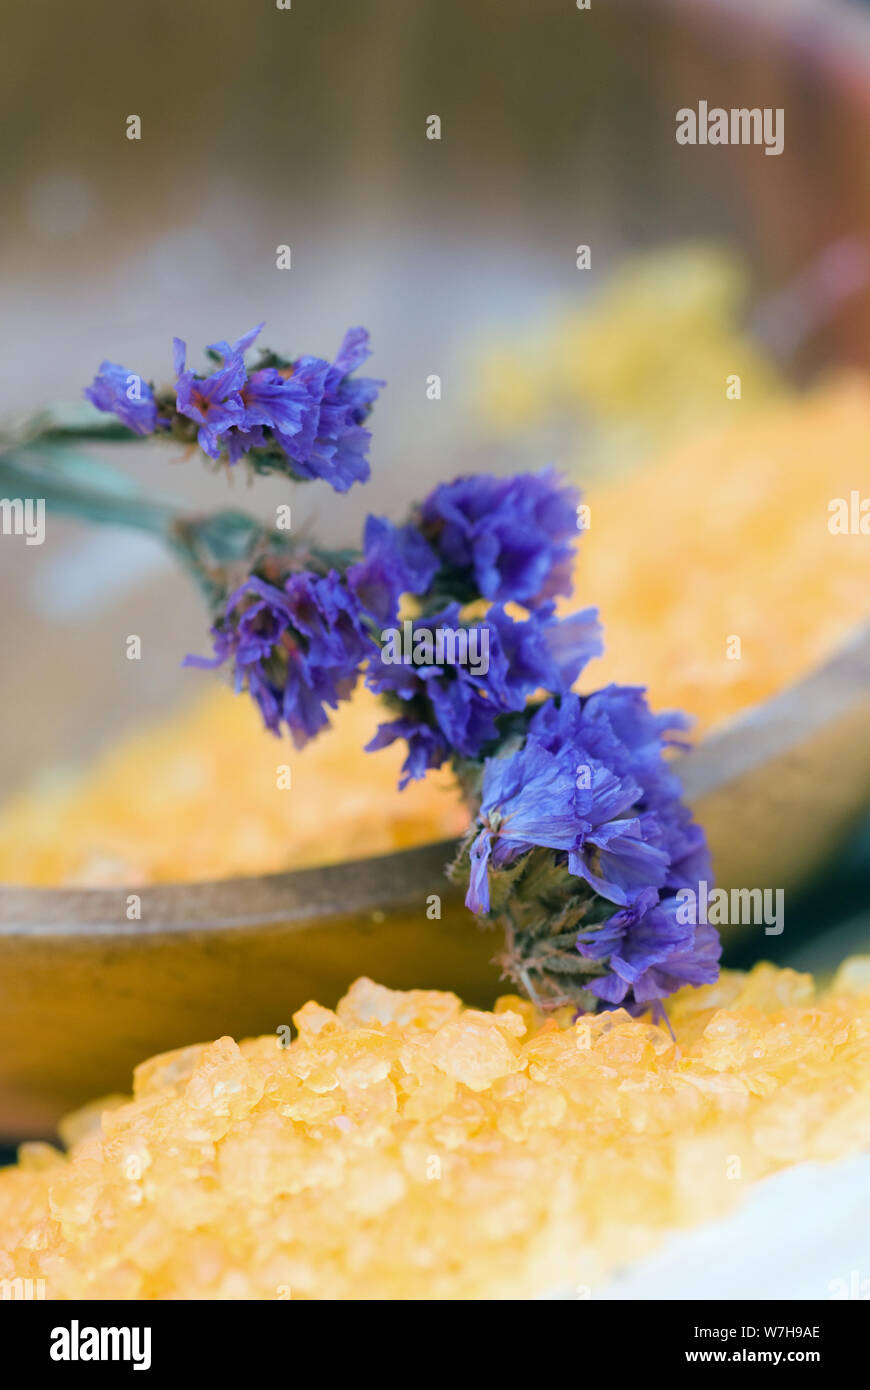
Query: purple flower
{"points": [[297, 649], [509, 539], [334, 444], [616, 727], [620, 845], [427, 747], [618, 858], [531, 790], [213, 402], [276, 401], [589, 784], [461, 695], [240, 442], [123, 393], [687, 847], [447, 709], [396, 561], [543, 652], [649, 952], [306, 418], [281, 400], [622, 713], [528, 799]]}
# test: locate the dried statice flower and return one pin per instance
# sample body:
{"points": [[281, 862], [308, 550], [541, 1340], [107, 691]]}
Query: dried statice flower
{"points": [[304, 418]]}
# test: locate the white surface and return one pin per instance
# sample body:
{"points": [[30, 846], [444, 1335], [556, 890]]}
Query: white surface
{"points": [[803, 1234]]}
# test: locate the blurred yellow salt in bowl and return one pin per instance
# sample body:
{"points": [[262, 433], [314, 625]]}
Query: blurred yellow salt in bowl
{"points": [[642, 361], [403, 1146], [206, 793]]}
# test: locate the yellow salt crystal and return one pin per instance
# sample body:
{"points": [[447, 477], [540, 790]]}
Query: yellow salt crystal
{"points": [[230, 818], [223, 1083], [403, 1147], [475, 1050]]}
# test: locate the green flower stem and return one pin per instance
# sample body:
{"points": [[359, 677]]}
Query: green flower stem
{"points": [[216, 550], [63, 423], [73, 484]]}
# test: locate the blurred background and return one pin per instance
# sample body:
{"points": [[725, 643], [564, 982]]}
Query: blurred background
{"points": [[307, 127]]}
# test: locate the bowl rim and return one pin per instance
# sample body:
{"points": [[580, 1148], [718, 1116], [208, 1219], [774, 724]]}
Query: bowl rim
{"points": [[295, 897]]}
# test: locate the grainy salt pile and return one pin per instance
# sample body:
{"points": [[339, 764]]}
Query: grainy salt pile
{"points": [[404, 1147]]}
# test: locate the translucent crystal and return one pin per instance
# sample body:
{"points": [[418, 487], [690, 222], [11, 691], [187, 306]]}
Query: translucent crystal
{"points": [[402, 1147]]}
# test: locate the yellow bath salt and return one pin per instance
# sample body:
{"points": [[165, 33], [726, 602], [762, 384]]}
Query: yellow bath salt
{"points": [[405, 1147], [735, 563], [197, 796]]}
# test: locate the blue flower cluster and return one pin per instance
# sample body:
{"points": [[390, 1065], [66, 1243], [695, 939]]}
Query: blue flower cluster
{"points": [[297, 648], [581, 844], [452, 709], [504, 539], [581, 839], [591, 784], [306, 418], [121, 392], [294, 664], [479, 538]]}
